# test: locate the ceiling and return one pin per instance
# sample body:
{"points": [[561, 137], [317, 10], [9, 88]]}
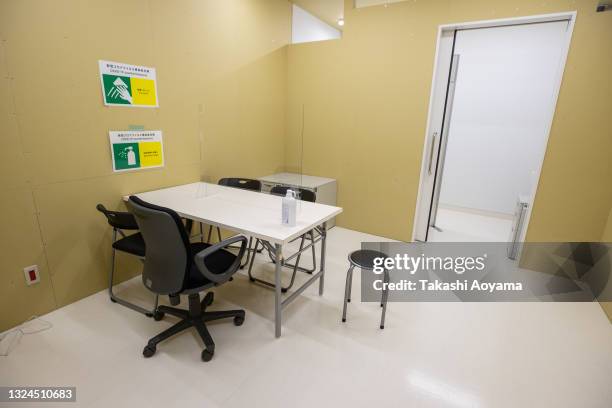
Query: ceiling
{"points": [[329, 11]]}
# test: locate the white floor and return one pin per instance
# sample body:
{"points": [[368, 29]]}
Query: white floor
{"points": [[463, 226], [429, 355]]}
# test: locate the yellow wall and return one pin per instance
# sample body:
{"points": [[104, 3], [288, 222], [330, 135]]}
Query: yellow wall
{"points": [[607, 237], [365, 99], [231, 99], [221, 67]]}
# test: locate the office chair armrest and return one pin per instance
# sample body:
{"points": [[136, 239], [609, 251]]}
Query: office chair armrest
{"points": [[220, 277]]}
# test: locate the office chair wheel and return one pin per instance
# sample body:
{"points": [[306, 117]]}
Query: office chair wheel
{"points": [[207, 355], [149, 351], [238, 320], [157, 316]]}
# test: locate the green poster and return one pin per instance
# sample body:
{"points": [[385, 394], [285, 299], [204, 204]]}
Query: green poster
{"points": [[136, 149], [126, 156], [117, 89]]}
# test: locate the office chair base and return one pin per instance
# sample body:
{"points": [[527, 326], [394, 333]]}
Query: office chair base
{"points": [[149, 351], [208, 299], [196, 317], [207, 355]]}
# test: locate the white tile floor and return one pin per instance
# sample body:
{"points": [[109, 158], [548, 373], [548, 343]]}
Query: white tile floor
{"points": [[429, 355], [462, 226]]}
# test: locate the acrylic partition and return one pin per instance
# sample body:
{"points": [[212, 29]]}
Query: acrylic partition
{"points": [[264, 162]]}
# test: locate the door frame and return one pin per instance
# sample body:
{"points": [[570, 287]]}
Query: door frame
{"points": [[431, 127]]}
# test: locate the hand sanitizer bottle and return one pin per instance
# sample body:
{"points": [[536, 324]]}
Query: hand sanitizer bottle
{"points": [[289, 209], [131, 156]]}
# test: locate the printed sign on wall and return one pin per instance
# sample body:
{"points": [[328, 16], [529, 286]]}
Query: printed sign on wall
{"points": [[128, 85], [136, 149]]}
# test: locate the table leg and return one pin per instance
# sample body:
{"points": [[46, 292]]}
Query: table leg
{"points": [[277, 289], [323, 245]]}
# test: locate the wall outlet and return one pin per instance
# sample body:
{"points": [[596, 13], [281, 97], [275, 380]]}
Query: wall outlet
{"points": [[31, 274]]}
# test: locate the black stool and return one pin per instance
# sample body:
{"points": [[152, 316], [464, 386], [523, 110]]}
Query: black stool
{"points": [[364, 259]]}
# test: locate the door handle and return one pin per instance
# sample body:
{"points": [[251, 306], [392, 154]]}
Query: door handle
{"points": [[431, 152]]}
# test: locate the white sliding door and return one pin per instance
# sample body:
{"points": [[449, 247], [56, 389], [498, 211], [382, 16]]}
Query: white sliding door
{"points": [[491, 120], [503, 98]]}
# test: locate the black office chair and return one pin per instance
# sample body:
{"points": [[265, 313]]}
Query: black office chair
{"points": [[245, 184], [304, 195], [174, 267], [130, 244]]}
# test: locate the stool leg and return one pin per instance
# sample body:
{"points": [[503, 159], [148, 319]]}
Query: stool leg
{"points": [[347, 290], [350, 288], [385, 298]]}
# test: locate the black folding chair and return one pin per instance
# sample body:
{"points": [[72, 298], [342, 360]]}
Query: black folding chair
{"points": [[129, 244], [304, 195]]}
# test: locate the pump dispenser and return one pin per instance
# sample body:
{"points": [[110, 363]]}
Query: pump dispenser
{"points": [[289, 209]]}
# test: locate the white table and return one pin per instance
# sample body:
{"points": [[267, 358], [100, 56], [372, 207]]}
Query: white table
{"points": [[253, 214]]}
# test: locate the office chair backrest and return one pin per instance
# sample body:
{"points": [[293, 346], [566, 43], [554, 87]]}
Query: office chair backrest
{"points": [[302, 194], [168, 251], [243, 183], [118, 219]]}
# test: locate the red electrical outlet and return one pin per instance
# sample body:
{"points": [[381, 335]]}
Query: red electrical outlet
{"points": [[31, 274]]}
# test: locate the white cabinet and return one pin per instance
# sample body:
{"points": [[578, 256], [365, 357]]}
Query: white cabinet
{"points": [[324, 188]]}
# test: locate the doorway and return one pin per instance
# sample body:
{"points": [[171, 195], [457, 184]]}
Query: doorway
{"points": [[493, 99]]}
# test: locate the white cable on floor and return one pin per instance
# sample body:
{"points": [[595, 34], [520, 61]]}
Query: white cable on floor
{"points": [[10, 339]]}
